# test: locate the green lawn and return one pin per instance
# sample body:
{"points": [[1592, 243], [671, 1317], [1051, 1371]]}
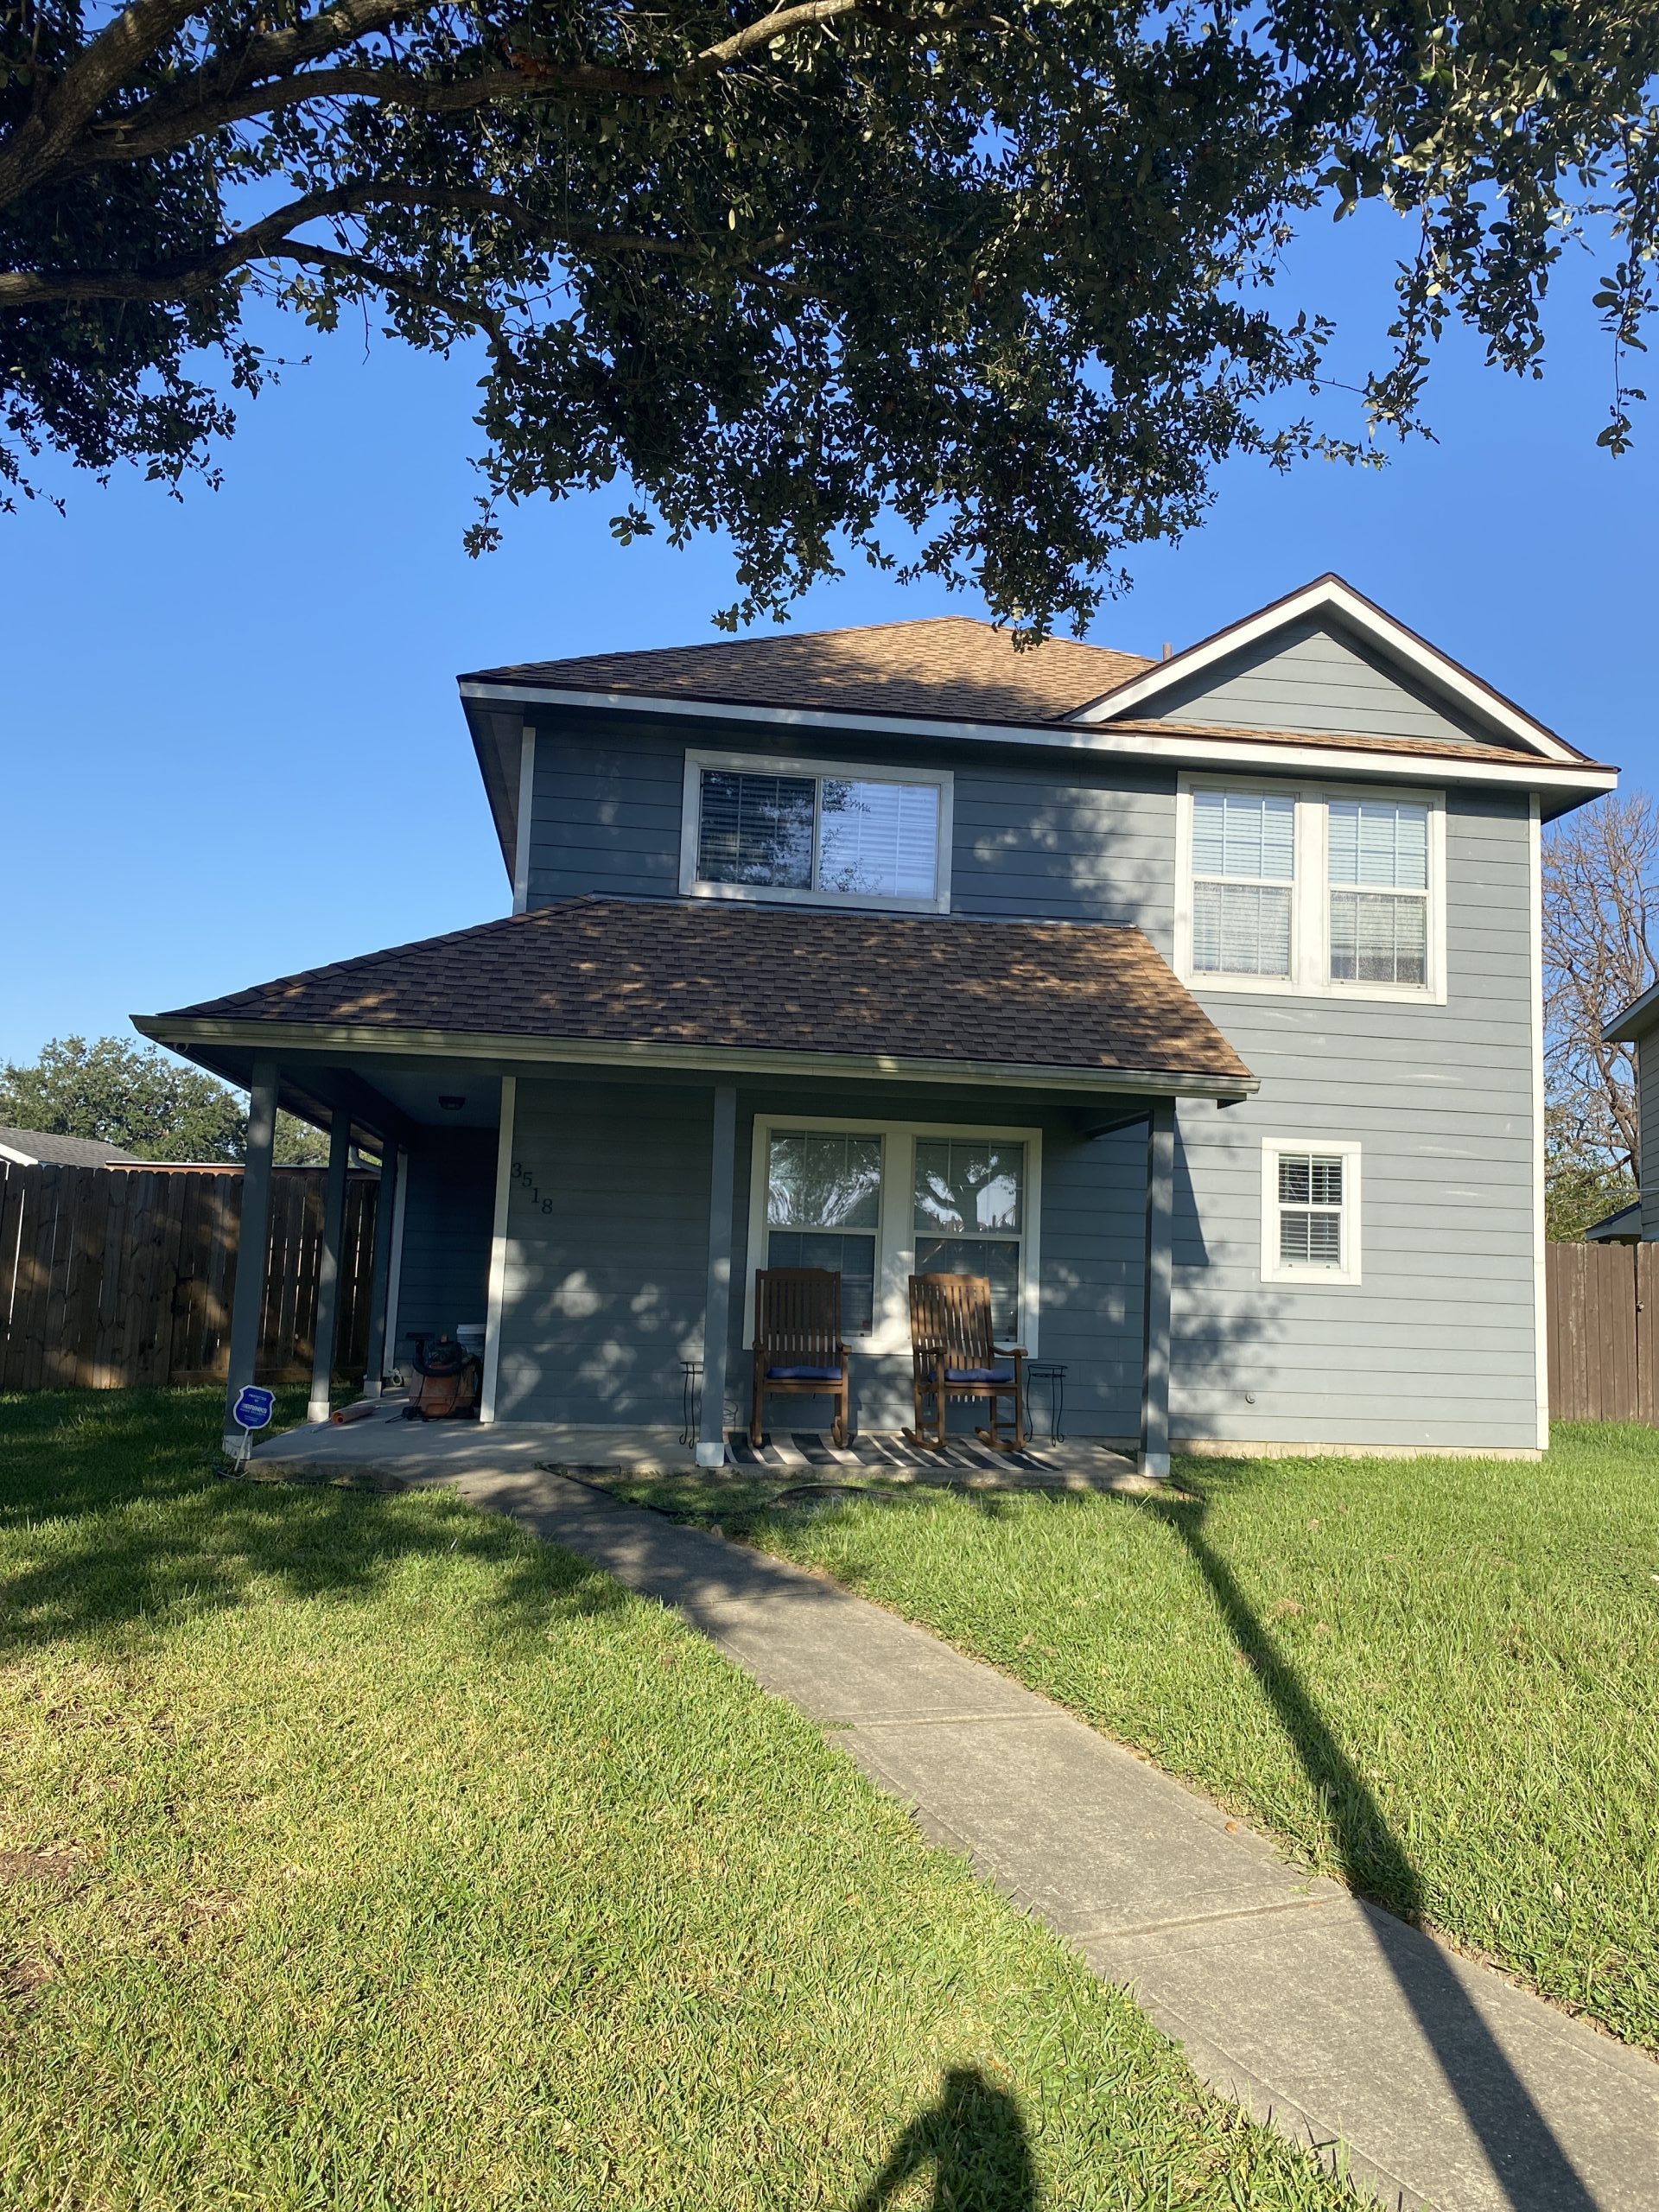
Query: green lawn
{"points": [[1437, 1678], [358, 1851]]}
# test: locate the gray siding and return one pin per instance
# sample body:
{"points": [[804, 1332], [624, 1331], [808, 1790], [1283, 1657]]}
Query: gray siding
{"points": [[449, 1214], [1315, 677], [1647, 1105], [1434, 1346], [607, 1227]]}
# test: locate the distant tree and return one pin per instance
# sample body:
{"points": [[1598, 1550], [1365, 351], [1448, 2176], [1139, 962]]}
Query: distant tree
{"points": [[139, 1098], [1581, 1185], [1601, 932], [1011, 274]]}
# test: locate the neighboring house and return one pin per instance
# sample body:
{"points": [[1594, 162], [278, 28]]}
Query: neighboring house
{"points": [[1622, 1227], [37, 1149], [1212, 982], [1638, 1027]]}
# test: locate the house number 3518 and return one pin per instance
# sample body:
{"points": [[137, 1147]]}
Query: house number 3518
{"points": [[527, 1182]]}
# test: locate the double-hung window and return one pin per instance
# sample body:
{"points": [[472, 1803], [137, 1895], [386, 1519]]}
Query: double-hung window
{"points": [[1310, 1211], [823, 835], [968, 1216], [1288, 890], [824, 1210], [1243, 877], [1378, 867], [877, 1203]]}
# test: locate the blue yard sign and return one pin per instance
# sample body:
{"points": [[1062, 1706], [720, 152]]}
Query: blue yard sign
{"points": [[253, 1407]]}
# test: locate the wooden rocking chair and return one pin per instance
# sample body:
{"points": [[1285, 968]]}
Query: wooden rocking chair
{"points": [[797, 1344], [953, 1354]]}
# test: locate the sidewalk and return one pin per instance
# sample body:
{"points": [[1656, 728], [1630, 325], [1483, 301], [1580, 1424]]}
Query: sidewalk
{"points": [[1443, 2083]]}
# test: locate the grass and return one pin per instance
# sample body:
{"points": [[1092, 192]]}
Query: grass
{"points": [[1437, 1679], [357, 1851]]}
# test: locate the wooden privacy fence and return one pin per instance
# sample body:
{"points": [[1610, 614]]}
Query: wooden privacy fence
{"points": [[1603, 1331], [122, 1278]]}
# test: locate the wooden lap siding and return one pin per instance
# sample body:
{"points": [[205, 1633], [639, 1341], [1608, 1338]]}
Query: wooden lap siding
{"points": [[121, 1279]]}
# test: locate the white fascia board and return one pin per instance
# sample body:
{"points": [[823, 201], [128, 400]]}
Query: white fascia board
{"points": [[271, 1036], [1329, 595], [1640, 1014], [1099, 738]]}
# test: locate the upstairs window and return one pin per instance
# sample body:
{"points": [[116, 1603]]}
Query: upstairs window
{"points": [[821, 836], [1379, 892], [1244, 876]]}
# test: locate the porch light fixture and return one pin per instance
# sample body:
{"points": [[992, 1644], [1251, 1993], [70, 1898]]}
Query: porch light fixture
{"points": [[450, 1103]]}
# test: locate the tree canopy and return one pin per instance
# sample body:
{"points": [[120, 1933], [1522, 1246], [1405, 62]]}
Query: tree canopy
{"points": [[139, 1098], [1003, 270]]}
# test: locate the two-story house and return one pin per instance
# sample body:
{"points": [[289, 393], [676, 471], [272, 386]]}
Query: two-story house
{"points": [[1195, 1003]]}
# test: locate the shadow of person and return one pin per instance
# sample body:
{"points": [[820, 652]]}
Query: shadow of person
{"points": [[975, 2140]]}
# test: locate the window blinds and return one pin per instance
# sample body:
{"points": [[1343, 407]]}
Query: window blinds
{"points": [[1243, 864]]}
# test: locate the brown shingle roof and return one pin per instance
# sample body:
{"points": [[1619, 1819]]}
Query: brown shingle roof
{"points": [[950, 669], [713, 975]]}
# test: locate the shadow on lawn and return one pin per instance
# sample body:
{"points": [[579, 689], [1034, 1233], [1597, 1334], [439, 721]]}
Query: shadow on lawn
{"points": [[975, 2141], [132, 1526], [1531, 2167]]}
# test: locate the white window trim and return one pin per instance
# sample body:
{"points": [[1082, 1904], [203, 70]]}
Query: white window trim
{"points": [[1273, 1269], [762, 764], [895, 1236], [1310, 904]]}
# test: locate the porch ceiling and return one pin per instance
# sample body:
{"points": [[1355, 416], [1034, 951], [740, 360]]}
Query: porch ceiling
{"points": [[734, 988]]}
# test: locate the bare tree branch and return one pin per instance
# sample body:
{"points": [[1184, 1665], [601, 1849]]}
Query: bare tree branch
{"points": [[185, 280], [1601, 923]]}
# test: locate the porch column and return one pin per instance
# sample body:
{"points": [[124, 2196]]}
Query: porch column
{"points": [[496, 1312], [333, 1238], [718, 1302], [385, 1210], [253, 1241], [1155, 1355]]}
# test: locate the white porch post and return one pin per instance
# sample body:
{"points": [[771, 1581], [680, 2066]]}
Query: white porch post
{"points": [[1159, 1276], [385, 1212], [253, 1241], [498, 1254], [334, 1236], [717, 1303]]}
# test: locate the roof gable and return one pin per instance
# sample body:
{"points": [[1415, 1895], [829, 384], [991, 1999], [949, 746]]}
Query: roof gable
{"points": [[1328, 661], [1316, 678]]}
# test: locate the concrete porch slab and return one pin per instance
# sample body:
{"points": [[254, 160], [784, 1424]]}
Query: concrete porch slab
{"points": [[384, 1446]]}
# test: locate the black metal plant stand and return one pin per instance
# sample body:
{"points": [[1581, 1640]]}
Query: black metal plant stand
{"points": [[1053, 1373], [691, 1401]]}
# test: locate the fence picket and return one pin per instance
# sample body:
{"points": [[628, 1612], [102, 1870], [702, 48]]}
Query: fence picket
{"points": [[114, 1278]]}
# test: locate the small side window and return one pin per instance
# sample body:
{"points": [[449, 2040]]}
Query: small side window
{"points": [[1310, 1213]]}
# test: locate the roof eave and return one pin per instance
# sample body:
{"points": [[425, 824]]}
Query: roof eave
{"points": [[1574, 778], [1641, 1015], [183, 1032]]}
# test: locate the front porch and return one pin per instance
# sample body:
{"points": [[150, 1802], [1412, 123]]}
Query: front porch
{"points": [[608, 1117], [383, 1448]]}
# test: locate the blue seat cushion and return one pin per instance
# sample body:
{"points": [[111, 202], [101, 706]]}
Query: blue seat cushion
{"points": [[802, 1375], [979, 1375]]}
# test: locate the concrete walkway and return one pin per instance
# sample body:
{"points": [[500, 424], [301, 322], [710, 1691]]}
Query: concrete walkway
{"points": [[1443, 2084]]}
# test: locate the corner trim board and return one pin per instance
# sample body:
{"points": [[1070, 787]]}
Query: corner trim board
{"points": [[527, 819]]}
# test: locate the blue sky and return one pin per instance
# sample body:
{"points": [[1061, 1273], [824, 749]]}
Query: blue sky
{"points": [[234, 745]]}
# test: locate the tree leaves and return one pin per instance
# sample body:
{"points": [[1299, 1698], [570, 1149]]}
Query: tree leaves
{"points": [[798, 272]]}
